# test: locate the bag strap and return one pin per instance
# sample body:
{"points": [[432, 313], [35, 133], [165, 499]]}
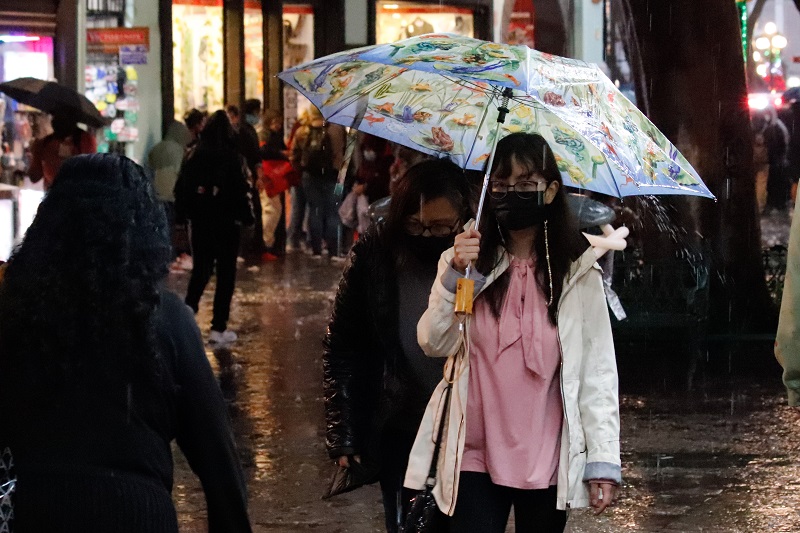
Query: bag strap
{"points": [[440, 433]]}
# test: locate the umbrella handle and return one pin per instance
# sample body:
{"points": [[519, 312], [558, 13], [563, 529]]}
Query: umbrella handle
{"points": [[501, 118], [465, 291]]}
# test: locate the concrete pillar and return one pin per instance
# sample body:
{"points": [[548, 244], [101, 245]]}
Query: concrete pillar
{"points": [[587, 31], [149, 123], [356, 23], [272, 11], [233, 44]]}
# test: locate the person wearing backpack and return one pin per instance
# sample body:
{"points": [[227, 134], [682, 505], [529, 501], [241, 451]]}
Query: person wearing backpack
{"points": [[213, 193], [319, 150]]}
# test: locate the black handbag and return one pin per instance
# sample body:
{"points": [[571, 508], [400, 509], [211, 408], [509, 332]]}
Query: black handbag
{"points": [[424, 515]]}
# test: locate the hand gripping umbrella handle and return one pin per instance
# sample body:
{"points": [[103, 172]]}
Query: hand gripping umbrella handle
{"points": [[466, 287]]}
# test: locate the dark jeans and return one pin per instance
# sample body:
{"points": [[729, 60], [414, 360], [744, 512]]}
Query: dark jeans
{"points": [[483, 507], [323, 217], [778, 187], [256, 244], [295, 233], [214, 245], [395, 449]]}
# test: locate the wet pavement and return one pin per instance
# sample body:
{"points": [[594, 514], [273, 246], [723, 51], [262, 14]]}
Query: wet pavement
{"points": [[722, 458]]}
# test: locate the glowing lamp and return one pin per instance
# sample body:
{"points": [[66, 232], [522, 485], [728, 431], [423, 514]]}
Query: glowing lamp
{"points": [[779, 41]]}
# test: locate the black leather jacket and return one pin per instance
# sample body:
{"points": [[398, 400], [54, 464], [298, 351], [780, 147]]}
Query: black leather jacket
{"points": [[365, 375]]}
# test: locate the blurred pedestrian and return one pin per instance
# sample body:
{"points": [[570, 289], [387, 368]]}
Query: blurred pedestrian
{"points": [[539, 428], [319, 149], [793, 153], [296, 234], [403, 159], [787, 340], [249, 147], [373, 163], [165, 159], [195, 120], [213, 193], [277, 177], [48, 154], [101, 368], [377, 380], [776, 140]]}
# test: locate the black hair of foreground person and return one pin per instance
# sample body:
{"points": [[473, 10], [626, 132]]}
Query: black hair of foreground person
{"points": [[101, 368]]}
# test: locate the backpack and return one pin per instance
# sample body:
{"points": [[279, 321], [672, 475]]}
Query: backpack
{"points": [[316, 155]]}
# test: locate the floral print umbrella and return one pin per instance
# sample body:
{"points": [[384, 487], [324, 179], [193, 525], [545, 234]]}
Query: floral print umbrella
{"points": [[439, 93]]}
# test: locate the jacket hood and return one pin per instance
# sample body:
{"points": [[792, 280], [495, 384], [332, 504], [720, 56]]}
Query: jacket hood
{"points": [[179, 133]]}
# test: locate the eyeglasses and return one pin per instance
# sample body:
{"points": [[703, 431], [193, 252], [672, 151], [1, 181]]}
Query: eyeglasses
{"points": [[415, 227], [524, 189]]}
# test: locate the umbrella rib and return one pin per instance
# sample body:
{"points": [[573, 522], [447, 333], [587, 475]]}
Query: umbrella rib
{"points": [[483, 120]]}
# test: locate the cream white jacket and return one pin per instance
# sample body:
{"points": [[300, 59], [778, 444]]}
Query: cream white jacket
{"points": [[590, 432]]}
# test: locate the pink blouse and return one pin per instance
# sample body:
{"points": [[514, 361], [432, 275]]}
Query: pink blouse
{"points": [[514, 410]]}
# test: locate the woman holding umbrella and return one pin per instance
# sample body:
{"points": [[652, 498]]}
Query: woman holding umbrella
{"points": [[539, 429], [377, 380]]}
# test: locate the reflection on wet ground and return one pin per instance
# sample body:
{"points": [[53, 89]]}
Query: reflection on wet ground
{"points": [[723, 458]]}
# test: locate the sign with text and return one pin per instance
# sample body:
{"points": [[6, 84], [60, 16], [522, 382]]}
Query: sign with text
{"points": [[109, 40], [133, 55]]}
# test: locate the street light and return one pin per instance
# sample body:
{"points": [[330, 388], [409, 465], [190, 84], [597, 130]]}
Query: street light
{"points": [[769, 46]]}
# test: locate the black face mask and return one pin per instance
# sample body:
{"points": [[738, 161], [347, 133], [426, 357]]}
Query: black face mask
{"points": [[428, 249], [515, 213]]}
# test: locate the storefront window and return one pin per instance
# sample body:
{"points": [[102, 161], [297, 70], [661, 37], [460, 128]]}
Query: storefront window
{"points": [[253, 50], [197, 55], [401, 20], [21, 55], [26, 56], [298, 48], [520, 27]]}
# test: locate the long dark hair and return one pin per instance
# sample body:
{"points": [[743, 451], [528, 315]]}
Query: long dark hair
{"points": [[566, 242], [218, 133], [79, 295], [425, 181]]}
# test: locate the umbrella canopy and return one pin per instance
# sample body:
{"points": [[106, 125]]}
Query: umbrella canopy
{"points": [[438, 93], [55, 99]]}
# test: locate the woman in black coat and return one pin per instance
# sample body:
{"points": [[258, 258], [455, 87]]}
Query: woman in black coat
{"points": [[101, 368], [377, 380], [213, 192]]}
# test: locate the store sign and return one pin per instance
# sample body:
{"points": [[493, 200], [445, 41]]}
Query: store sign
{"points": [[109, 40], [133, 55]]}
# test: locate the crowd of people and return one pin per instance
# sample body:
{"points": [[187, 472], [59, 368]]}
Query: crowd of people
{"points": [[116, 370], [227, 180]]}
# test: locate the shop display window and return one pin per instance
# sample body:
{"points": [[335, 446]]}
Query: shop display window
{"points": [[198, 55], [520, 27], [298, 48], [21, 55], [26, 56], [253, 50], [401, 20]]}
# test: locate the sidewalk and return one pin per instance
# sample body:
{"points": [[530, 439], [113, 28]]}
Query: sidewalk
{"points": [[725, 458]]}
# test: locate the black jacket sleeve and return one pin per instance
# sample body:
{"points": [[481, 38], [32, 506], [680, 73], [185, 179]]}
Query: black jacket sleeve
{"points": [[204, 432], [345, 364]]}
